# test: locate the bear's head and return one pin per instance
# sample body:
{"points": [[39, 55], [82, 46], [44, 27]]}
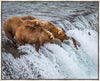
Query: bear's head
{"points": [[46, 24], [56, 31], [59, 34], [47, 36]]}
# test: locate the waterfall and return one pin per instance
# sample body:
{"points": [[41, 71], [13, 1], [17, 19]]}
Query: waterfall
{"points": [[58, 61]]}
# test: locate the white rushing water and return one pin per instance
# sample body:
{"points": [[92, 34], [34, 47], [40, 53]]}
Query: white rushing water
{"points": [[59, 61]]}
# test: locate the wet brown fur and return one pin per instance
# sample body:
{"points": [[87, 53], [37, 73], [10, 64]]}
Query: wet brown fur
{"points": [[38, 36], [27, 18], [32, 23], [10, 27], [57, 32]]}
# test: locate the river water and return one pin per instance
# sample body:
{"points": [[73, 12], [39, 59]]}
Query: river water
{"points": [[54, 61]]}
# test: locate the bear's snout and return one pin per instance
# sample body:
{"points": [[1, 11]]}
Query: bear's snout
{"points": [[66, 37], [51, 37]]}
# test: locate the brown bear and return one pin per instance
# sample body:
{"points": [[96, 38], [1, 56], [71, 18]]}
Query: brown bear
{"points": [[30, 20], [27, 18], [57, 32], [30, 35], [10, 27], [32, 23]]}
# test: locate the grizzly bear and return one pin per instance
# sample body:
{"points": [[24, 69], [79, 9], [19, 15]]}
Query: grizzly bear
{"points": [[27, 18], [10, 27], [57, 32], [30, 35], [32, 23], [30, 20]]}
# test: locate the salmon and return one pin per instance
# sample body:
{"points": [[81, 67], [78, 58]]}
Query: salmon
{"points": [[74, 43]]}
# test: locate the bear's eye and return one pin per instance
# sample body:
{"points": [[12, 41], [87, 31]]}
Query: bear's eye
{"points": [[59, 33]]}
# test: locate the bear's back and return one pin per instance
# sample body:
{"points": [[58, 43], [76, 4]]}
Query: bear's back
{"points": [[27, 18]]}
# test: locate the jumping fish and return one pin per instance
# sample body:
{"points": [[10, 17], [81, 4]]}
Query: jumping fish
{"points": [[74, 43]]}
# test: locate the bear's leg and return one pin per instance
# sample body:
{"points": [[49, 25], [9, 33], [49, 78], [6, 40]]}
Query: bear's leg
{"points": [[37, 45], [10, 36], [42, 44], [13, 41], [20, 42]]}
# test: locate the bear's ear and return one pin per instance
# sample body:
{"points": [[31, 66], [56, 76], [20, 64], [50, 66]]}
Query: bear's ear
{"points": [[49, 23], [36, 23]]}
